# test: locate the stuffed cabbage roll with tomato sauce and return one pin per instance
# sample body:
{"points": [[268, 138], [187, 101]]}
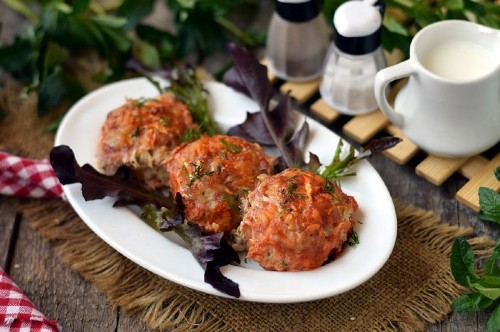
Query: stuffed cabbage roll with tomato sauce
{"points": [[296, 221]]}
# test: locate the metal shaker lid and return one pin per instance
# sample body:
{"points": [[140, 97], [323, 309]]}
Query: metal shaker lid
{"points": [[358, 26], [298, 11]]}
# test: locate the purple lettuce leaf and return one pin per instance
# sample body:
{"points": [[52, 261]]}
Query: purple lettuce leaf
{"points": [[121, 185], [250, 77], [378, 145], [210, 251], [233, 79], [253, 129]]}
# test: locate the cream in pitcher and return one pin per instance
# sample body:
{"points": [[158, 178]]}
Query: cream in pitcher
{"points": [[451, 103], [459, 60]]}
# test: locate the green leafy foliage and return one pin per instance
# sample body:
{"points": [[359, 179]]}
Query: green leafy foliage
{"points": [[41, 57], [485, 288], [201, 25], [489, 202]]}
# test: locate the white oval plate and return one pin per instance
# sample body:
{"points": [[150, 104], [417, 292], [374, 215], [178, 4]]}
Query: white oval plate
{"points": [[162, 254]]}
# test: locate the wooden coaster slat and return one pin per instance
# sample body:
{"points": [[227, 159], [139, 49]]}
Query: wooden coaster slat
{"points": [[437, 169], [270, 75], [301, 91], [323, 111], [363, 127], [468, 194], [404, 151], [473, 166]]}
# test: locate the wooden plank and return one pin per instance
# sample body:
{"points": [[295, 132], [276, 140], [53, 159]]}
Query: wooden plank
{"points": [[363, 127], [55, 289], [301, 91], [468, 194], [324, 111], [404, 151], [393, 57], [8, 233], [437, 169], [473, 166], [270, 75]]}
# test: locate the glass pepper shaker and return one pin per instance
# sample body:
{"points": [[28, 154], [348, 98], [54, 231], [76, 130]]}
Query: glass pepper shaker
{"points": [[297, 40], [354, 58]]}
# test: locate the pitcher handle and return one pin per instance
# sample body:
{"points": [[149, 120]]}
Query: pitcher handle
{"points": [[382, 79]]}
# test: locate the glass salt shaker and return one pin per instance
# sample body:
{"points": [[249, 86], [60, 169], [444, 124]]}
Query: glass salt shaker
{"points": [[354, 58], [297, 40]]}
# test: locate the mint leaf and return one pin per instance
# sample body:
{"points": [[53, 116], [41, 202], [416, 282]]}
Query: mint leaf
{"points": [[492, 293], [493, 323], [489, 202], [471, 302], [491, 264], [489, 281], [497, 173], [462, 262]]}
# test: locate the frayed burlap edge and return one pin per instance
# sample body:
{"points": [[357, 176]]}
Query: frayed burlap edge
{"points": [[128, 286], [432, 304], [162, 304]]}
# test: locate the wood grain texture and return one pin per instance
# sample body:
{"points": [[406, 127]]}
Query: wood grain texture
{"points": [[8, 231]]}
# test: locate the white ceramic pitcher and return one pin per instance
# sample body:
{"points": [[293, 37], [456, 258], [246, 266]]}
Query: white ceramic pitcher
{"points": [[451, 104]]}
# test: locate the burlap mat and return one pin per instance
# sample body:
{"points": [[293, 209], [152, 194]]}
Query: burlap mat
{"points": [[414, 287]]}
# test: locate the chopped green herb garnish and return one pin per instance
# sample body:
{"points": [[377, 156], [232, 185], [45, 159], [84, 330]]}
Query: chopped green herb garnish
{"points": [[165, 121], [197, 173], [353, 239], [190, 135], [136, 132], [140, 102], [231, 147], [290, 192], [232, 200], [328, 187]]}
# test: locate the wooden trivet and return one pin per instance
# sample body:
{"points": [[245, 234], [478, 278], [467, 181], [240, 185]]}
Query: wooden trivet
{"points": [[478, 169]]}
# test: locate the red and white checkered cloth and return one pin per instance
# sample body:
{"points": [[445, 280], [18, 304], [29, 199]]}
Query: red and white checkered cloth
{"points": [[24, 177], [17, 312]]}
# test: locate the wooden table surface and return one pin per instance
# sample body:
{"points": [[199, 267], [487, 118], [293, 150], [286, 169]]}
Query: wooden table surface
{"points": [[77, 305]]}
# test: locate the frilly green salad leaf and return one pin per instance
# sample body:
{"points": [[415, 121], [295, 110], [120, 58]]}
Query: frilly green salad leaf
{"points": [[186, 87], [210, 251]]}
